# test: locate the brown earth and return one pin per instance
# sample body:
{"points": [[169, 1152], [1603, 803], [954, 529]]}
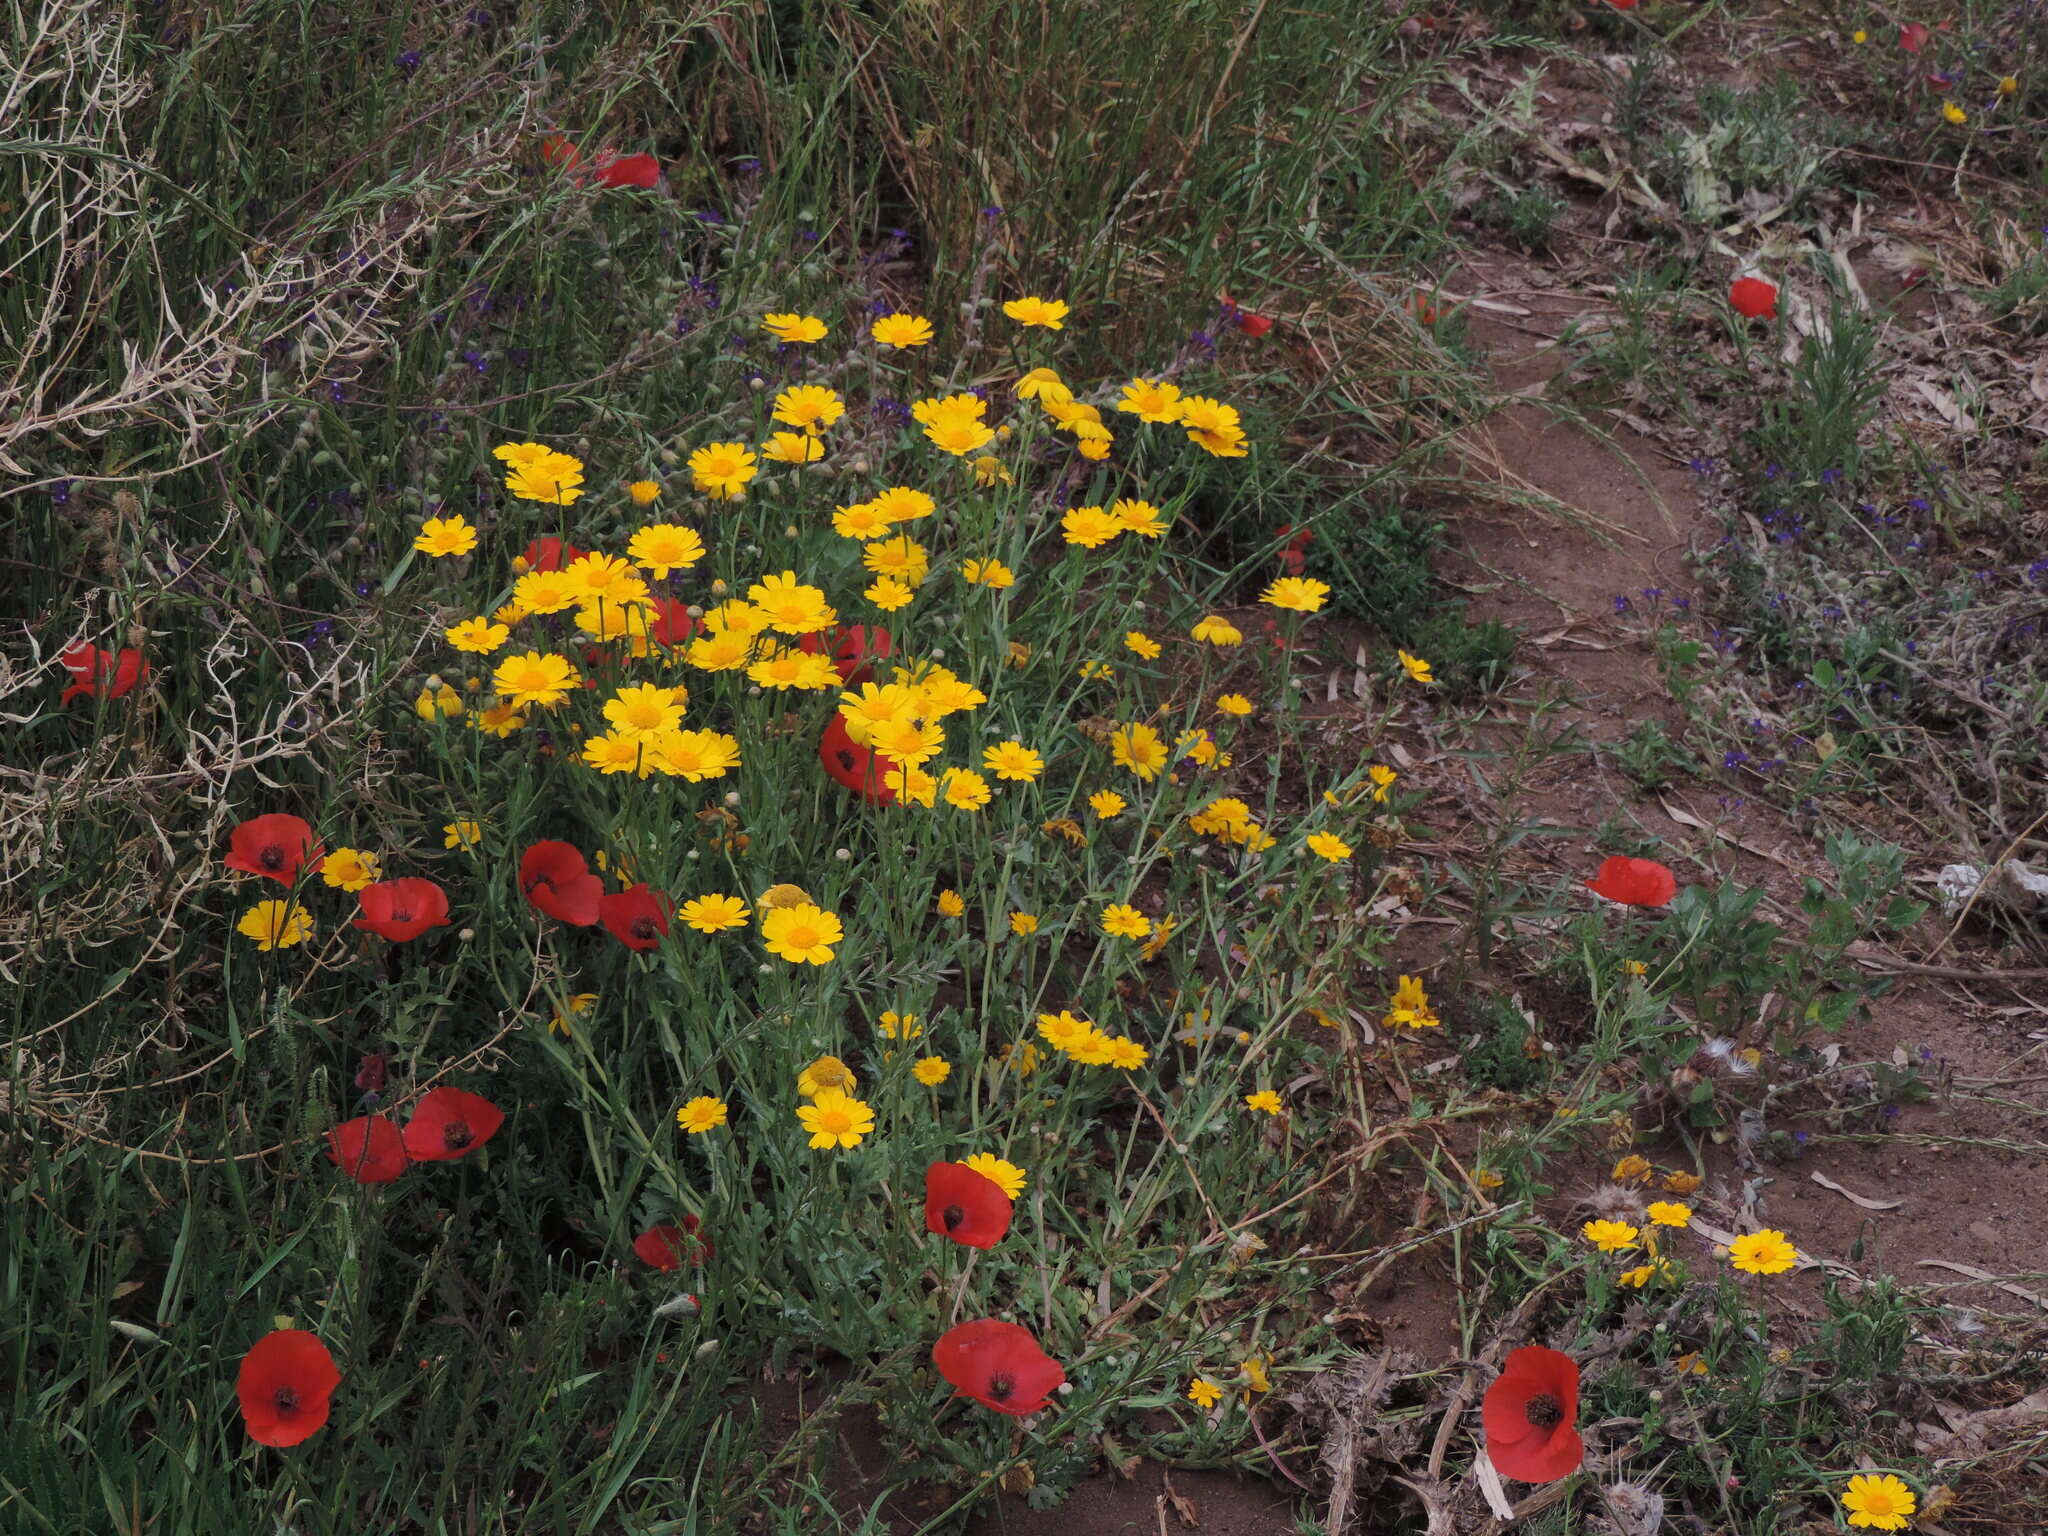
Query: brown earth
{"points": [[1931, 1193]]}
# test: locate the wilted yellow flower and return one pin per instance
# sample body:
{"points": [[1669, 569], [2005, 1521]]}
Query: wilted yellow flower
{"points": [[644, 492], [1216, 630], [1632, 1169], [1954, 114], [951, 905], [461, 834], [989, 470], [1415, 667]]}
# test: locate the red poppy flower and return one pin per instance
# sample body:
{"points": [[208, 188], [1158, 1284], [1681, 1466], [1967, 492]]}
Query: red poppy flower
{"points": [[999, 1365], [276, 846], [449, 1124], [369, 1149], [284, 1385], [1913, 37], [1425, 313], [550, 554], [1754, 299], [1253, 325], [1634, 882], [558, 882], [556, 149], [967, 1206], [373, 1071], [855, 649], [1623, 5], [94, 671], [671, 1247], [853, 764], [1294, 553], [672, 622], [641, 170], [1530, 1413], [636, 916], [402, 909]]}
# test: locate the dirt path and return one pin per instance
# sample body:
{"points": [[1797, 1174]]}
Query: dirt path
{"points": [[1950, 1190]]}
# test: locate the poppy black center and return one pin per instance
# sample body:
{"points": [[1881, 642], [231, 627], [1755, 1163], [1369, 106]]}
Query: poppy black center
{"points": [[457, 1134], [1000, 1386], [643, 928], [401, 915], [845, 759], [271, 857], [1545, 1411], [537, 882], [287, 1400], [952, 1216]]}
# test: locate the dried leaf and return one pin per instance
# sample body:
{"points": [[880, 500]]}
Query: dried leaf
{"points": [[1850, 1195]]}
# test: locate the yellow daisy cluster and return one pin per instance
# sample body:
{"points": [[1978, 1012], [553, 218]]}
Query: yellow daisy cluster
{"points": [[1081, 1040]]}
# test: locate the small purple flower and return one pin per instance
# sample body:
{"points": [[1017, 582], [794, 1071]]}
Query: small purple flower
{"points": [[708, 216], [992, 213], [409, 60], [1830, 476], [1733, 758], [1620, 603], [1701, 466], [60, 492]]}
